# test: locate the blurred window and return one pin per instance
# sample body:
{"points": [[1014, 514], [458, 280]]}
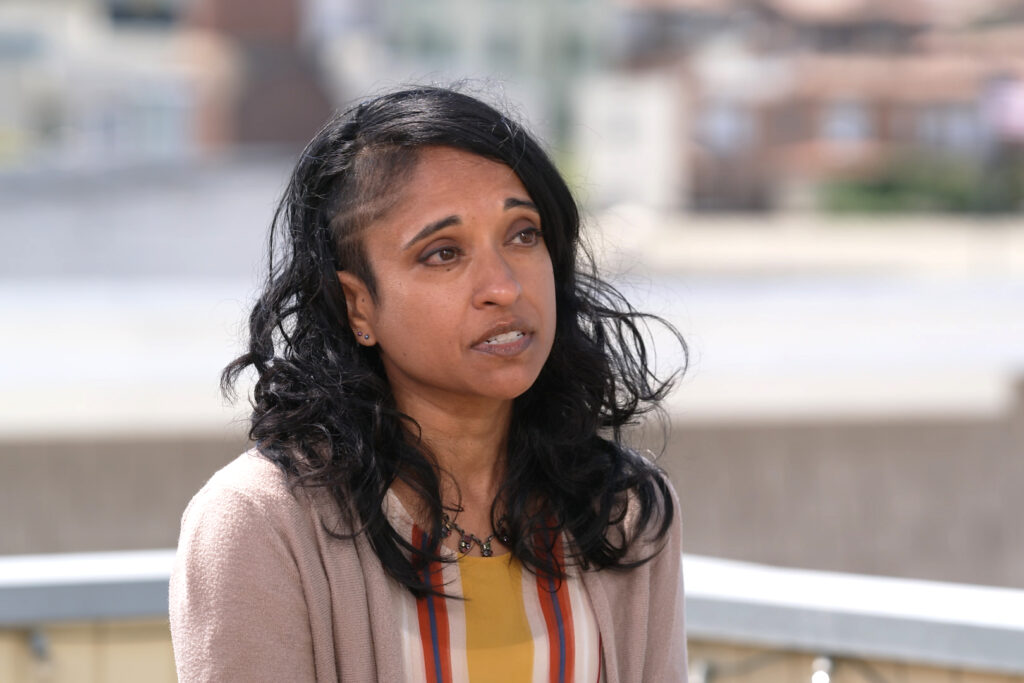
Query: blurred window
{"points": [[503, 51], [432, 43], [574, 50], [836, 38], [929, 125], [19, 46], [395, 41], [961, 128], [158, 12], [48, 118], [949, 126], [726, 127], [846, 121]]}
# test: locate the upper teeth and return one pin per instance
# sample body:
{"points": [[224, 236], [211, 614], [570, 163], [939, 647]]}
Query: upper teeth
{"points": [[505, 338]]}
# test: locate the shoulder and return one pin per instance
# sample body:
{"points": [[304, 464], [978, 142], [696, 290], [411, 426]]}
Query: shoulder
{"points": [[652, 519], [247, 551], [246, 526], [249, 476], [250, 493]]}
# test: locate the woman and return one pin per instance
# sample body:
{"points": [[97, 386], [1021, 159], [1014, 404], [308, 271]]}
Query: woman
{"points": [[438, 491]]}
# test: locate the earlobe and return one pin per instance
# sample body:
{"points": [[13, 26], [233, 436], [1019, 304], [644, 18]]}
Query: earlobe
{"points": [[359, 305]]}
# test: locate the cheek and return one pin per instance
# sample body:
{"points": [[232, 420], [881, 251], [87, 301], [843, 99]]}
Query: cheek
{"points": [[415, 323], [548, 278], [547, 303]]}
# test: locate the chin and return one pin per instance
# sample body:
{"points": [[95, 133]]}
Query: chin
{"points": [[509, 395], [510, 389]]}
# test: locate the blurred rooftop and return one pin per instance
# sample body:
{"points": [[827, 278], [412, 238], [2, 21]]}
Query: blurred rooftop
{"points": [[125, 326], [938, 12]]}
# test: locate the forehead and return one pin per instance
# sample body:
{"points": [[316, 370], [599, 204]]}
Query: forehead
{"points": [[455, 171], [447, 182]]}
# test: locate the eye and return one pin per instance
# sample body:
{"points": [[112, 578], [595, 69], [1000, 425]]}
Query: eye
{"points": [[528, 237], [439, 257]]}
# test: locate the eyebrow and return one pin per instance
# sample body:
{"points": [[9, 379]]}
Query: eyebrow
{"points": [[512, 203], [431, 228]]}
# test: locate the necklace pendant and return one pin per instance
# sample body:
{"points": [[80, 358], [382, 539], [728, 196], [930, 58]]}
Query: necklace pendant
{"points": [[502, 531], [465, 543], [485, 548]]}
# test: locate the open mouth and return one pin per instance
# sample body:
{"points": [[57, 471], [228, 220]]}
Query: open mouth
{"points": [[505, 338]]}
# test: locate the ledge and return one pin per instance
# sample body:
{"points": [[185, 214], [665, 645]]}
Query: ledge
{"points": [[925, 622], [83, 586]]}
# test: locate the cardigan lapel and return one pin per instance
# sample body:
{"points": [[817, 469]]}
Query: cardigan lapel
{"points": [[382, 596], [605, 624]]}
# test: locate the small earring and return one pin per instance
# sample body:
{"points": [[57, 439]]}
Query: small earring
{"points": [[366, 336]]}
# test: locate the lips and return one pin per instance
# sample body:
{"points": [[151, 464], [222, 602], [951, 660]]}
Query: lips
{"points": [[506, 338]]}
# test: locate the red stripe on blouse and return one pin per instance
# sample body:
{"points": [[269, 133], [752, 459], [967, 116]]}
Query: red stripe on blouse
{"points": [[557, 611], [437, 658]]}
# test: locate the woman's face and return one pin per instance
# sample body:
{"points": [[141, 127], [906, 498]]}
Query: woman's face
{"points": [[465, 305]]}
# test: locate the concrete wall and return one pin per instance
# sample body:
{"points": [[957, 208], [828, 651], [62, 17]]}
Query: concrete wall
{"points": [[103, 494], [927, 498]]}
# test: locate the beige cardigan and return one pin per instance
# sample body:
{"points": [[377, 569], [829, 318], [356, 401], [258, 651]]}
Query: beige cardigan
{"points": [[260, 592]]}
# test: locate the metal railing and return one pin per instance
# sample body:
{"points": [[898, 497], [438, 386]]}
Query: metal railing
{"points": [[925, 622]]}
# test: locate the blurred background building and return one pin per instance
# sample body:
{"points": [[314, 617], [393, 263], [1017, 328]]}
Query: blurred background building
{"points": [[823, 195]]}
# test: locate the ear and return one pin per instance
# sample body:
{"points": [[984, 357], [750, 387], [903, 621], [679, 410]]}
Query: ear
{"points": [[360, 307]]}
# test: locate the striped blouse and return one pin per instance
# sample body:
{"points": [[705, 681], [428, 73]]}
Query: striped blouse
{"points": [[512, 626]]}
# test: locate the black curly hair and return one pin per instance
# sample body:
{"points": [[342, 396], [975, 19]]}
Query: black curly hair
{"points": [[322, 406]]}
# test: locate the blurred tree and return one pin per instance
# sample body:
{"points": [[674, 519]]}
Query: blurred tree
{"points": [[930, 183]]}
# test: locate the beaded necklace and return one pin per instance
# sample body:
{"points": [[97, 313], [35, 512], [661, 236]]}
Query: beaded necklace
{"points": [[466, 539]]}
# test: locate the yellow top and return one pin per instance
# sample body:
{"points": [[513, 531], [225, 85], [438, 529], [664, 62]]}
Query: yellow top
{"points": [[499, 642]]}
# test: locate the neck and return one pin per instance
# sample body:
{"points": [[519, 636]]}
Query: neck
{"points": [[469, 443]]}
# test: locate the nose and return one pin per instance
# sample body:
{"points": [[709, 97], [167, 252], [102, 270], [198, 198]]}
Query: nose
{"points": [[496, 282]]}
